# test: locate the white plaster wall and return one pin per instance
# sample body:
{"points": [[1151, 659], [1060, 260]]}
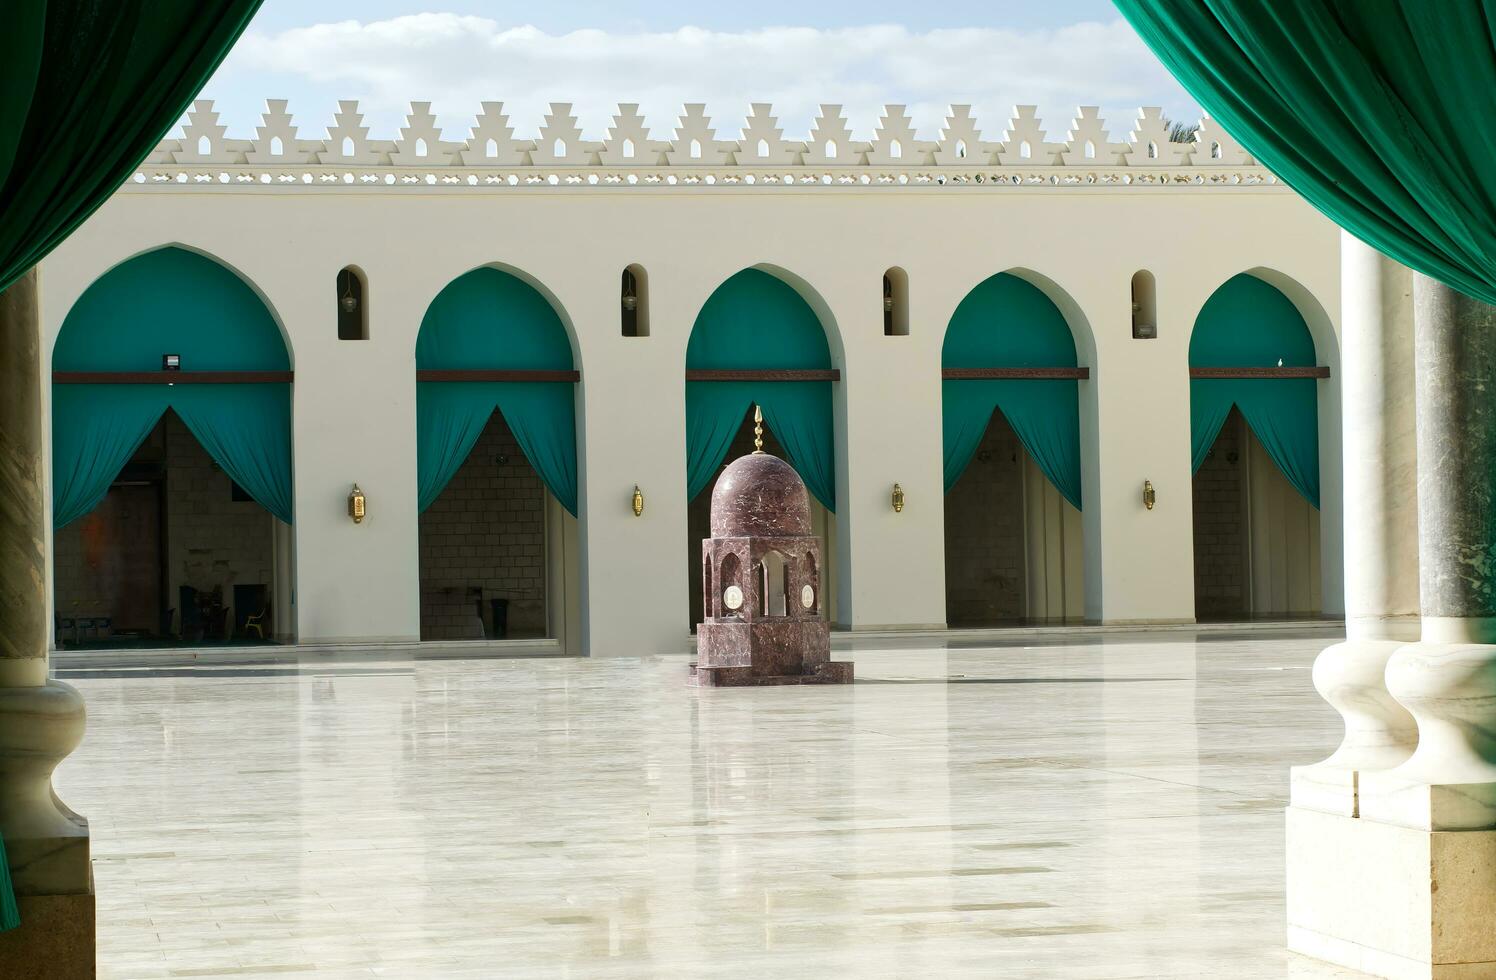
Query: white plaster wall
{"points": [[355, 401]]}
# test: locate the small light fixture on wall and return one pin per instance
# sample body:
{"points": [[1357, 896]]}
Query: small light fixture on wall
{"points": [[348, 302], [1149, 497], [357, 505], [897, 499], [630, 292], [171, 362], [638, 501]]}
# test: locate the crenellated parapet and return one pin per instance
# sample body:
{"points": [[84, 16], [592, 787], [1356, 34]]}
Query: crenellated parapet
{"points": [[696, 153]]}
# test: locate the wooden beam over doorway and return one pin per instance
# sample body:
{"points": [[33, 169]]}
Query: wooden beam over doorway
{"points": [[171, 377], [765, 374], [1259, 372], [1030, 373], [479, 375]]}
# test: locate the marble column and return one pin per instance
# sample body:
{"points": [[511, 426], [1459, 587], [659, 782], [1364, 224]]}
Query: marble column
{"points": [[1381, 530], [1407, 888], [1448, 680], [41, 721], [283, 589]]}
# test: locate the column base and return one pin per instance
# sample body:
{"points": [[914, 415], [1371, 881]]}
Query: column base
{"points": [[1326, 788], [1379, 732], [1391, 901], [55, 938]]}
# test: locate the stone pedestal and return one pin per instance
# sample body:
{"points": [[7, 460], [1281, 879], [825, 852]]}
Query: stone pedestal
{"points": [[1381, 539], [1392, 901], [1407, 887], [41, 721], [56, 931]]}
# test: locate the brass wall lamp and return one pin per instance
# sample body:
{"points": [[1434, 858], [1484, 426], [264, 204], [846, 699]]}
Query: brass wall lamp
{"points": [[1149, 497], [638, 501], [357, 505], [897, 499]]}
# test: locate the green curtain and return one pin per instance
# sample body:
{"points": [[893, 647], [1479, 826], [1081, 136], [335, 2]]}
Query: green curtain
{"points": [[1006, 322], [10, 912], [172, 301], [756, 321], [799, 413], [95, 431], [1249, 323], [1378, 112], [487, 319], [169, 301], [87, 89], [245, 428], [450, 416]]}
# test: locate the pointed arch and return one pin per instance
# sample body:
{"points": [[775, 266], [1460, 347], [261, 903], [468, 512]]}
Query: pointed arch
{"points": [[490, 319], [1008, 322], [1248, 322], [148, 306], [758, 321]]}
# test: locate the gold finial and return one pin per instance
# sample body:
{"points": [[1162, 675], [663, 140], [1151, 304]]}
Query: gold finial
{"points": [[758, 430]]}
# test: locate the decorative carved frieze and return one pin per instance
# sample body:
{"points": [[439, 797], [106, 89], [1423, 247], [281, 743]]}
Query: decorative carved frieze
{"points": [[560, 156]]}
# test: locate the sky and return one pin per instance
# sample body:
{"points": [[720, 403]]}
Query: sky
{"points": [[457, 53]]}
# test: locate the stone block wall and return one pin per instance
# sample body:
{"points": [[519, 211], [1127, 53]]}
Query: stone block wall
{"points": [[1220, 504], [87, 563], [984, 527], [212, 540], [209, 539], [484, 538]]}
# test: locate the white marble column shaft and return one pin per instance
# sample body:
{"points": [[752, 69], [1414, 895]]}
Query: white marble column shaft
{"points": [[1448, 680], [41, 721], [1381, 529]]}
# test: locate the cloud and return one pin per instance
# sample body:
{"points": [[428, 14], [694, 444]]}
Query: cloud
{"points": [[457, 61]]}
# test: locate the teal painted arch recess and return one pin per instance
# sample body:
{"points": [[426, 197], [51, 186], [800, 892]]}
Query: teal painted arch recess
{"points": [[169, 301], [489, 319], [1008, 322], [756, 321], [1248, 322]]}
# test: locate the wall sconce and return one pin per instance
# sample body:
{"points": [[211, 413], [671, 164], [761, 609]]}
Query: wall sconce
{"points": [[897, 499], [630, 292], [357, 505], [638, 501], [1149, 497], [348, 302], [171, 362]]}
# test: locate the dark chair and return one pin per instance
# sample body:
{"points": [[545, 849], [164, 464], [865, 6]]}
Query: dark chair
{"points": [[193, 624]]}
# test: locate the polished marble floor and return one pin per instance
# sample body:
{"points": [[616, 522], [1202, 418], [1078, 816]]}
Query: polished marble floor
{"points": [[1107, 807]]}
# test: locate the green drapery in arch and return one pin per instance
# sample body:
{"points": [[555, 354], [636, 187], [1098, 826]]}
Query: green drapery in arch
{"points": [[1378, 112], [87, 89], [1249, 323], [169, 301], [755, 321], [1006, 322], [491, 320], [245, 428]]}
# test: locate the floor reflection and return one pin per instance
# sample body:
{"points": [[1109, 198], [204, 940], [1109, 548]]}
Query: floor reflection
{"points": [[1107, 808]]}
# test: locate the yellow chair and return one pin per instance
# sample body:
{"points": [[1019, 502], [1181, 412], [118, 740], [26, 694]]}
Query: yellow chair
{"points": [[256, 622]]}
